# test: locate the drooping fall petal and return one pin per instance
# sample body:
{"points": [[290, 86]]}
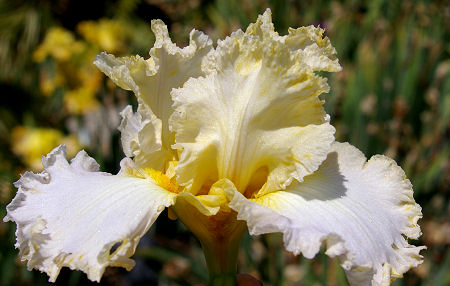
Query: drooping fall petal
{"points": [[361, 210], [72, 215]]}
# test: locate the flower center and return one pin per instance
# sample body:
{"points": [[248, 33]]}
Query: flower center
{"points": [[165, 182]]}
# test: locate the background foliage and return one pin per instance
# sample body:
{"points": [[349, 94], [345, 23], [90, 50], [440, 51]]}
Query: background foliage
{"points": [[392, 97]]}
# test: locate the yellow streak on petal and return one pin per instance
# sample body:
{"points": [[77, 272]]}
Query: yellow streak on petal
{"points": [[269, 200], [246, 67], [161, 179]]}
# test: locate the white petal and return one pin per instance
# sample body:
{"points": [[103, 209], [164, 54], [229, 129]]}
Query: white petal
{"points": [[362, 210], [72, 215], [130, 127], [153, 79], [141, 138], [255, 110]]}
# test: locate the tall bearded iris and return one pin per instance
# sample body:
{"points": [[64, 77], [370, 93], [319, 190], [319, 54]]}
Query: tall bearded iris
{"points": [[228, 138]]}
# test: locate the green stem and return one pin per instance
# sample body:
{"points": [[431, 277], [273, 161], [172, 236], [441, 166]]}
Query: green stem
{"points": [[223, 280], [221, 258], [220, 236]]}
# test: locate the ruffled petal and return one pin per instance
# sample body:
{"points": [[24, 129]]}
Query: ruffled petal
{"points": [[315, 50], [257, 109], [130, 127], [141, 138], [152, 80], [72, 215], [361, 210]]}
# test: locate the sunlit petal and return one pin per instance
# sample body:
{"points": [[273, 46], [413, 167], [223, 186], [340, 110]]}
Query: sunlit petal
{"points": [[257, 109], [72, 215], [152, 80], [315, 50], [361, 210]]}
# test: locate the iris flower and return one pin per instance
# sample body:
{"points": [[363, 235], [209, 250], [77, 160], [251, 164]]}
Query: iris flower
{"points": [[229, 139]]}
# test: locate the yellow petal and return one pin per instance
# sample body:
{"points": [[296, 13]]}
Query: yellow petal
{"points": [[152, 80], [257, 109], [316, 51], [208, 216]]}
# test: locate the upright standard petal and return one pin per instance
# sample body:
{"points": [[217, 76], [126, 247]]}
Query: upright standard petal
{"points": [[152, 80], [256, 114], [361, 210], [315, 50], [72, 215]]}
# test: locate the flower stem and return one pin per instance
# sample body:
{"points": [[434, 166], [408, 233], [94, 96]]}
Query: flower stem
{"points": [[221, 258], [219, 234]]}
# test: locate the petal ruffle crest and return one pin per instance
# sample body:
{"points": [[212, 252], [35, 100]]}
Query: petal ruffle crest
{"points": [[315, 51], [257, 111], [152, 80], [361, 210], [72, 215]]}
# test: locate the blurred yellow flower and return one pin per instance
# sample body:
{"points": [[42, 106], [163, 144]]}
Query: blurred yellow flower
{"points": [[73, 71], [31, 143], [86, 80], [106, 34], [59, 44], [49, 82], [85, 73], [80, 100]]}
